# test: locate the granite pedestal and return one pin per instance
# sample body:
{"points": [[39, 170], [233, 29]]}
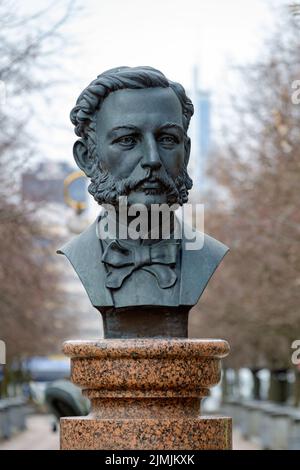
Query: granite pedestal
{"points": [[146, 394]]}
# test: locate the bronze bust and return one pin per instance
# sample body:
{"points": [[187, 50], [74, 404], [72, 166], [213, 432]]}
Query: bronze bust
{"points": [[132, 126]]}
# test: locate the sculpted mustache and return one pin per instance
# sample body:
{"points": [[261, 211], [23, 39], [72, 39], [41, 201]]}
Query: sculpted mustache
{"points": [[153, 179], [134, 181], [164, 179]]}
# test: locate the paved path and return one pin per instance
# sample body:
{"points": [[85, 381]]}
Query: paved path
{"points": [[241, 444], [39, 436]]}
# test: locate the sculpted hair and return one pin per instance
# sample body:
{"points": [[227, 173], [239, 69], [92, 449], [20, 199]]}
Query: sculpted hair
{"points": [[83, 115]]}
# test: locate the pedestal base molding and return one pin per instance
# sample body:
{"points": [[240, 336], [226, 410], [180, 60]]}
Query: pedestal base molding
{"points": [[203, 433], [146, 394]]}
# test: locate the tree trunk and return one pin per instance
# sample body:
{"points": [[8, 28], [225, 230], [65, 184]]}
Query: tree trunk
{"points": [[297, 388], [5, 381], [256, 384], [278, 391], [224, 386]]}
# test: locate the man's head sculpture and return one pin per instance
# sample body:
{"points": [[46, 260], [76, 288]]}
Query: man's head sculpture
{"points": [[132, 126]]}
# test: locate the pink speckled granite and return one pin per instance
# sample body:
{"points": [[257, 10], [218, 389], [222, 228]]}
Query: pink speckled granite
{"points": [[146, 394], [203, 433]]}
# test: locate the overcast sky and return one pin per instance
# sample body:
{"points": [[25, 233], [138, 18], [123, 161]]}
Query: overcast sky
{"points": [[171, 35]]}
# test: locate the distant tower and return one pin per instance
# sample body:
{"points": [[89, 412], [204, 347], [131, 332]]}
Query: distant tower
{"points": [[200, 132]]}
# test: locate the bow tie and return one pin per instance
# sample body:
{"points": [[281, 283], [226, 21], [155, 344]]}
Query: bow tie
{"points": [[159, 259]]}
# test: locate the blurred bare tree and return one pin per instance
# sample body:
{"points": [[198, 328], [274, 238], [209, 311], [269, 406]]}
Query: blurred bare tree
{"points": [[295, 8], [30, 298], [254, 299]]}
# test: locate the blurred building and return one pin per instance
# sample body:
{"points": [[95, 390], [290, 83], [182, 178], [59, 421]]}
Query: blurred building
{"points": [[46, 183], [44, 186], [200, 133]]}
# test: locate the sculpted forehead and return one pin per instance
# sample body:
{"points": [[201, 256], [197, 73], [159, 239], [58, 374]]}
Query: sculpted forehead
{"points": [[139, 107]]}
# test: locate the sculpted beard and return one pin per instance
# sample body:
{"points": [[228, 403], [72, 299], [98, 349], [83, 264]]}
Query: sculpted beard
{"points": [[106, 189]]}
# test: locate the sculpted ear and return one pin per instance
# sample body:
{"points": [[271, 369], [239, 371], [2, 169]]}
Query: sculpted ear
{"points": [[82, 157], [187, 148]]}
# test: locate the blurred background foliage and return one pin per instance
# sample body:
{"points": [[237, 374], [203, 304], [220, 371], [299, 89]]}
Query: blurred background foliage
{"points": [[254, 299], [30, 298]]}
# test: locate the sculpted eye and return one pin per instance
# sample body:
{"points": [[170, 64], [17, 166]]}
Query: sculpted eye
{"points": [[126, 140], [168, 139]]}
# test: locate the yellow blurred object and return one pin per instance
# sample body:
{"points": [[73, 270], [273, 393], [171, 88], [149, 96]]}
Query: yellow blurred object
{"points": [[79, 206]]}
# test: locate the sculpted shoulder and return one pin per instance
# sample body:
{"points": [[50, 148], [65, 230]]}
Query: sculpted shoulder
{"points": [[84, 253], [198, 266]]}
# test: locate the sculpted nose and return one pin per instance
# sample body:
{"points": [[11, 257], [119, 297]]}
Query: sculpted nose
{"points": [[151, 157]]}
